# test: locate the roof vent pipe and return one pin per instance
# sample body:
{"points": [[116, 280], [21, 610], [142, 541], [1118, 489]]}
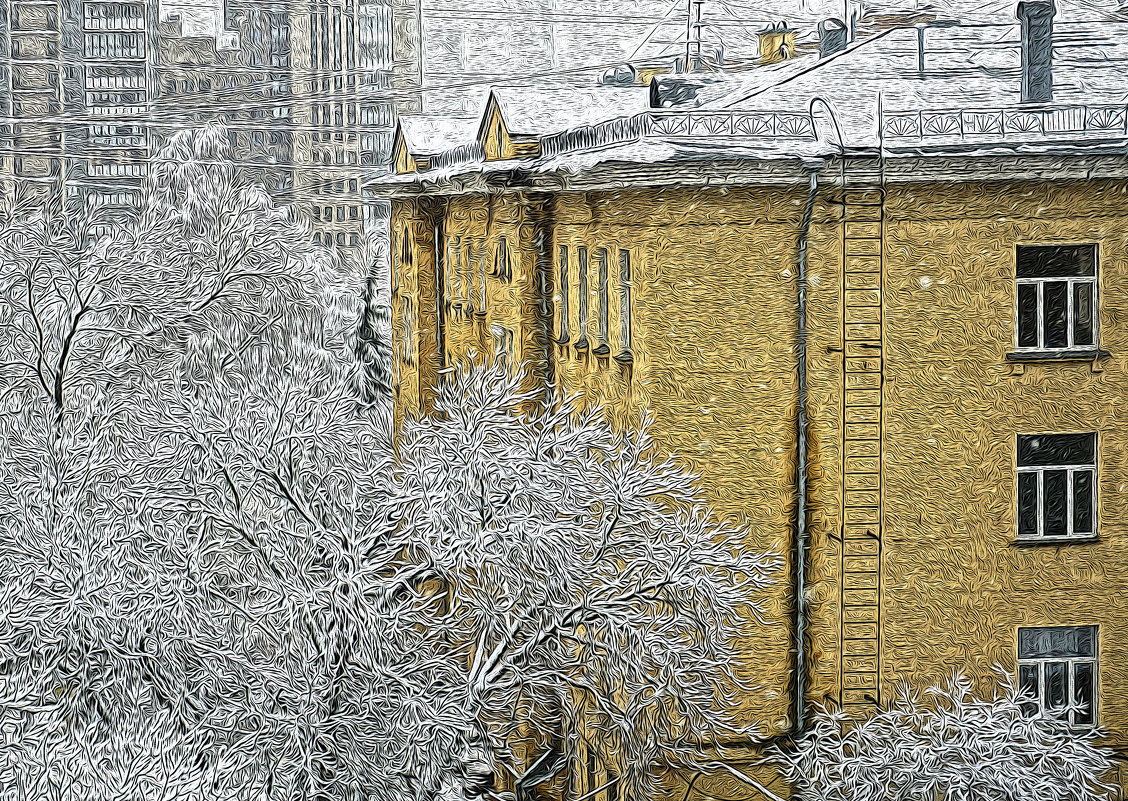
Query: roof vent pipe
{"points": [[920, 48], [1037, 18], [833, 35]]}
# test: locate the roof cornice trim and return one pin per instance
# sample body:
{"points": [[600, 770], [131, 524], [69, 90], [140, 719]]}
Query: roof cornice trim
{"points": [[906, 169]]}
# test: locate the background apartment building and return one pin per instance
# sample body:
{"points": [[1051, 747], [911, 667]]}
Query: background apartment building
{"points": [[90, 89], [75, 81]]}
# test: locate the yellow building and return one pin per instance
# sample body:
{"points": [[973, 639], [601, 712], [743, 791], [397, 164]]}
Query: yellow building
{"points": [[918, 251]]}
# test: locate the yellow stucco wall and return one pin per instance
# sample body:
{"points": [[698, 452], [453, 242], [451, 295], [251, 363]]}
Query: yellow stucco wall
{"points": [[713, 303], [713, 291], [956, 586]]}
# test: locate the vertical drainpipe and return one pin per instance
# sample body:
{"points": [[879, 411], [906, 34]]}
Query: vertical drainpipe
{"points": [[800, 681], [438, 236]]}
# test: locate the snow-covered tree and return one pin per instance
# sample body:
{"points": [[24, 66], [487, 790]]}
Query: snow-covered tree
{"points": [[948, 746], [215, 585], [578, 575], [175, 516]]}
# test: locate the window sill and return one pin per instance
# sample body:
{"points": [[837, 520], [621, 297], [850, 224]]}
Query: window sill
{"points": [[1083, 355], [626, 357], [581, 345], [1087, 539], [601, 350]]}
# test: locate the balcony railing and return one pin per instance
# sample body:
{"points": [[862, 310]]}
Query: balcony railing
{"points": [[691, 124], [1008, 124]]}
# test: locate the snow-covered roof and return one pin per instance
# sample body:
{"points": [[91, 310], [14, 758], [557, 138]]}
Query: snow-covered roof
{"points": [[426, 135], [965, 101], [966, 68], [705, 89], [539, 111]]}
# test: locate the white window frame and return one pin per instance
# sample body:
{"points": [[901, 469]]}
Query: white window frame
{"points": [[1070, 673], [1070, 470], [1070, 281]]}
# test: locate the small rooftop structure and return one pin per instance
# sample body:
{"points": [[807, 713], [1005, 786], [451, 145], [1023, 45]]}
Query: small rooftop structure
{"points": [[418, 138], [777, 43]]}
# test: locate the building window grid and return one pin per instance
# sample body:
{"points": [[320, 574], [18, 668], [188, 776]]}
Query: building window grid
{"points": [[125, 80], [113, 45], [466, 266], [113, 17], [1079, 332], [1035, 497], [1070, 491], [323, 19], [1079, 327], [450, 272], [482, 303], [1067, 677], [503, 265]]}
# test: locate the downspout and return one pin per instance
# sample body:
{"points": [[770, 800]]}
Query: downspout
{"points": [[800, 682], [440, 257]]}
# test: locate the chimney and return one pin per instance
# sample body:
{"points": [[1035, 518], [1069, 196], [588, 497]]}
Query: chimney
{"points": [[1037, 18], [832, 36], [777, 43]]}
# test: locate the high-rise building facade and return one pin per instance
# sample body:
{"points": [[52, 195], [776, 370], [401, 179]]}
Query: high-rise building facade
{"points": [[89, 90], [343, 110], [75, 83]]}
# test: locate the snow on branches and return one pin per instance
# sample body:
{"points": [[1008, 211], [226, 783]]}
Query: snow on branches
{"points": [[952, 747], [579, 572], [217, 585]]}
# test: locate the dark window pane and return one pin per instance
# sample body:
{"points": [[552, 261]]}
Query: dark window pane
{"points": [[565, 289], [1083, 502], [582, 253], [1036, 450], [1057, 642], [1027, 504], [1083, 314], [1054, 503], [1028, 315], [601, 260], [1055, 261], [1083, 694], [1028, 684], [1054, 299], [1055, 684]]}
